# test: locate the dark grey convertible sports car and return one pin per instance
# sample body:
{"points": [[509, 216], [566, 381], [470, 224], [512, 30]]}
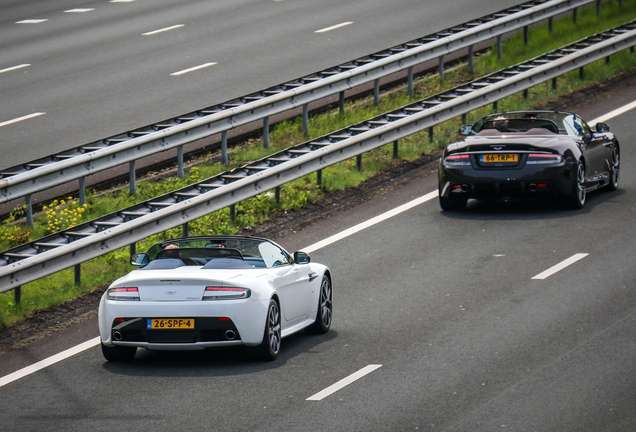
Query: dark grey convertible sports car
{"points": [[528, 154]]}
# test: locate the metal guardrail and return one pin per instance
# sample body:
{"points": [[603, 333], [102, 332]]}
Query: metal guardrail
{"points": [[65, 249], [82, 161]]}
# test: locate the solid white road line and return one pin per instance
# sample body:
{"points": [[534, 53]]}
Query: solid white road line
{"points": [[31, 21], [19, 119], [162, 30], [344, 382], [192, 69], [334, 27], [12, 68], [384, 216], [48, 361], [615, 113], [560, 266]]}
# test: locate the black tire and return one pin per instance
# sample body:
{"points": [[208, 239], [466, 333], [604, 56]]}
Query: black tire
{"points": [[118, 353], [452, 205], [576, 199], [270, 346], [325, 309], [615, 169]]}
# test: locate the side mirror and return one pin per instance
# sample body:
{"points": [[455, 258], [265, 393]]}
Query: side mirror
{"points": [[140, 259], [301, 258], [602, 127], [465, 130]]}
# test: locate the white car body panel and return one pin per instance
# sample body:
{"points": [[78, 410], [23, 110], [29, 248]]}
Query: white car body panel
{"points": [[178, 292]]}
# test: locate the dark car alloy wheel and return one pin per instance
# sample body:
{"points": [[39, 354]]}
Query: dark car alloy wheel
{"points": [[615, 169], [577, 198]]}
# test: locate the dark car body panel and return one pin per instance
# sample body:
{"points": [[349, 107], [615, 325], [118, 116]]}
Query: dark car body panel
{"points": [[532, 163]]}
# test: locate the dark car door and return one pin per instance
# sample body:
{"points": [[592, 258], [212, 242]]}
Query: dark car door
{"points": [[598, 152]]}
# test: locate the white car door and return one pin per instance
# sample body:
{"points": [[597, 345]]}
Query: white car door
{"points": [[293, 281], [296, 290]]}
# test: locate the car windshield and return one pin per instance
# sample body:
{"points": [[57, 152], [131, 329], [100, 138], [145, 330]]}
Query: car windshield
{"points": [[533, 122], [218, 253]]}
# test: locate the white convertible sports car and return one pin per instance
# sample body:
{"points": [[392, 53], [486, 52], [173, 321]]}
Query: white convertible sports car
{"points": [[199, 292]]}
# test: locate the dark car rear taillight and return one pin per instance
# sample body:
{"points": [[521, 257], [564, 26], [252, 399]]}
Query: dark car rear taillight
{"points": [[458, 159], [544, 158]]}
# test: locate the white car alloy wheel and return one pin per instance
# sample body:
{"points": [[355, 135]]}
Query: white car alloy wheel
{"points": [[270, 347], [325, 309]]}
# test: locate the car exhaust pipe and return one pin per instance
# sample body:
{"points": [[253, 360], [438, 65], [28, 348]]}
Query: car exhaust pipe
{"points": [[117, 335], [532, 187], [230, 335], [464, 188]]}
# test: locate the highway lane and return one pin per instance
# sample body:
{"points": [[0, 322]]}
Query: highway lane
{"points": [[445, 303], [94, 74]]}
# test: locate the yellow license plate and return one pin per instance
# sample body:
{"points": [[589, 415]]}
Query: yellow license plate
{"points": [[499, 158], [170, 323]]}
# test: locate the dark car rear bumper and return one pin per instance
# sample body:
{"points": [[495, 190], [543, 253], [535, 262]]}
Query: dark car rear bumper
{"points": [[531, 181]]}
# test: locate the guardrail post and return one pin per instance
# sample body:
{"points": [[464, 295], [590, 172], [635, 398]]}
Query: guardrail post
{"points": [[341, 101], [17, 295], [499, 48], [132, 178], [464, 119], [185, 230], [495, 106], [525, 94], [306, 119], [598, 7], [575, 15], [607, 59], [82, 190], [359, 162], [78, 274], [180, 171], [395, 149], [224, 159], [233, 212], [440, 67], [554, 83], [410, 81], [581, 73], [319, 177], [266, 132], [525, 35], [133, 249], [430, 134], [277, 194], [550, 24], [376, 92], [471, 65], [29, 211]]}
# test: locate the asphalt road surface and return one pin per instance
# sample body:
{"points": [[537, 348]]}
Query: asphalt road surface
{"points": [[442, 316], [75, 71]]}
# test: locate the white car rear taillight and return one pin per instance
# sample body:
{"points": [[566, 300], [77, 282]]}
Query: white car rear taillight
{"points": [[226, 293], [123, 294]]}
